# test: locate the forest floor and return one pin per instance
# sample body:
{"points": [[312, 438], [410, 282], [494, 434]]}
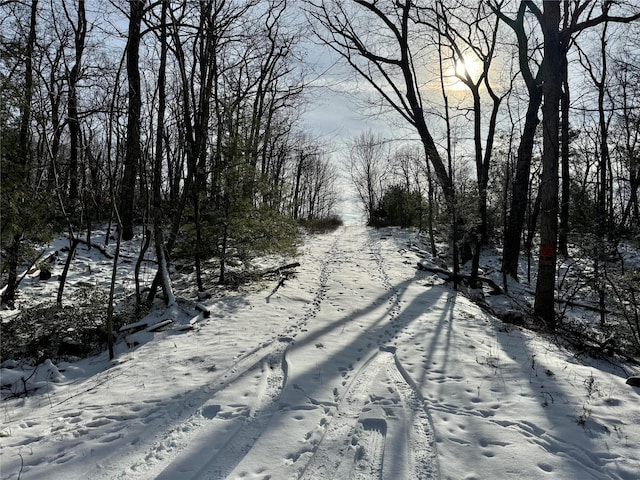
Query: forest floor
{"points": [[360, 366]]}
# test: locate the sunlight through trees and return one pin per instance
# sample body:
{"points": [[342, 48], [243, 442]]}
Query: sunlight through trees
{"points": [[183, 125]]}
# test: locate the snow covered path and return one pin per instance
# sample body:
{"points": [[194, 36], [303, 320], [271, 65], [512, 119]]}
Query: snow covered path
{"points": [[359, 367], [304, 408]]}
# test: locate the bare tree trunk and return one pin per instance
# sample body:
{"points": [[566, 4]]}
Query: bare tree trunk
{"points": [[161, 253], [114, 276], [554, 58], [146, 241], [133, 150], [197, 251], [505, 197], [604, 219], [520, 187], [222, 278], [13, 256], [80, 30], [300, 165], [563, 232], [63, 277], [431, 199], [603, 124], [631, 213], [534, 213], [452, 205], [25, 114]]}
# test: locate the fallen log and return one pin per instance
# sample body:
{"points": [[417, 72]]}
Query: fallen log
{"points": [[206, 312], [281, 269], [573, 303], [97, 247], [31, 269], [450, 277], [144, 325], [284, 273], [157, 327], [192, 325]]}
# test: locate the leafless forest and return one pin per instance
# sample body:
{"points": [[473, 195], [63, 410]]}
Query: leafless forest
{"points": [[184, 124]]}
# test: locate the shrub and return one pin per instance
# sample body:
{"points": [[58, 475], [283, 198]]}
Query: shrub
{"points": [[322, 225], [399, 207]]}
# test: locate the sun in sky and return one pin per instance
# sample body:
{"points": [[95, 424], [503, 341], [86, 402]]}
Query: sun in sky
{"points": [[462, 67]]}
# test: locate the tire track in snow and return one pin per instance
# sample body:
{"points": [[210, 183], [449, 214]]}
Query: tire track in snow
{"points": [[366, 460], [422, 448], [166, 439], [394, 295], [165, 444], [380, 406], [246, 431], [369, 458], [353, 443], [422, 444], [323, 463]]}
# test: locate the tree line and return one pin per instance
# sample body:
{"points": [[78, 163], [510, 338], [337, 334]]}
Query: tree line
{"points": [[526, 113], [183, 118]]}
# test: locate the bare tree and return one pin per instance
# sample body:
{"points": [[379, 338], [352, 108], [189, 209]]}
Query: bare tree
{"points": [[556, 44], [379, 41], [472, 35], [318, 195], [520, 186], [80, 31], [368, 167], [303, 158], [133, 148], [158, 217], [628, 150], [554, 57]]}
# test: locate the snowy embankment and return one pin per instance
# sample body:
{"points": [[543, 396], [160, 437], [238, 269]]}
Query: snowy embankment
{"points": [[359, 367]]}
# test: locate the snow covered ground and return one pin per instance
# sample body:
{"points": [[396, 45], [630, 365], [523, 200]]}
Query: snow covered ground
{"points": [[359, 367]]}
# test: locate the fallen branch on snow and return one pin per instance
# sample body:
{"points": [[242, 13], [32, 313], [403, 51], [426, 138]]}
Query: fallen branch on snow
{"points": [[284, 271], [450, 277], [96, 246], [582, 342]]}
